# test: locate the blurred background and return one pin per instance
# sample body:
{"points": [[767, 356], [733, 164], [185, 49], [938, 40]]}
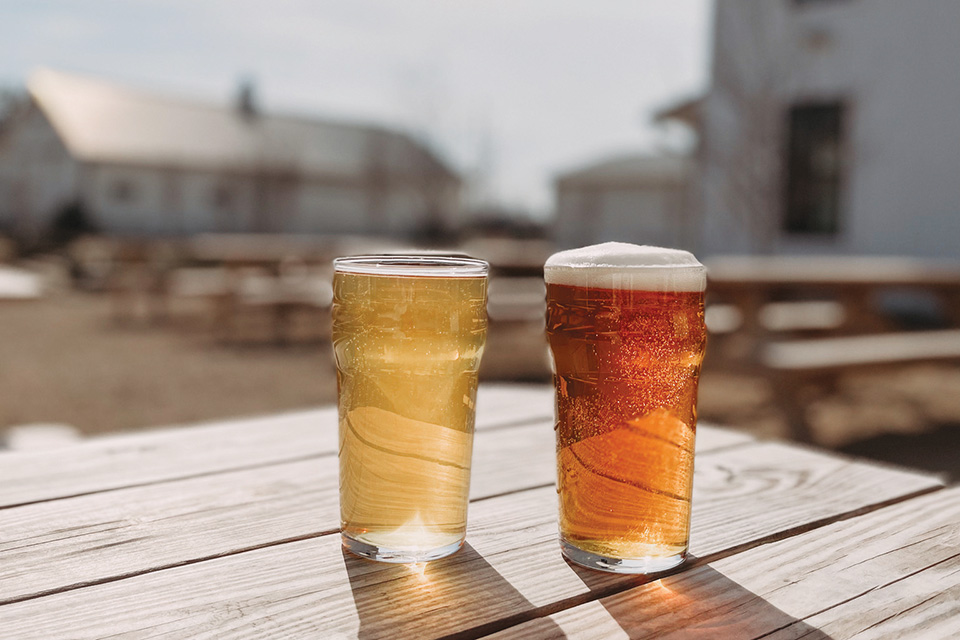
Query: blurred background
{"points": [[175, 178]]}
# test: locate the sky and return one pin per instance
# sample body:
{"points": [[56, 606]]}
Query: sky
{"points": [[510, 92]]}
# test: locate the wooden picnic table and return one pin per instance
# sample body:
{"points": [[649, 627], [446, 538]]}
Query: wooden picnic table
{"points": [[230, 530], [751, 282], [801, 322]]}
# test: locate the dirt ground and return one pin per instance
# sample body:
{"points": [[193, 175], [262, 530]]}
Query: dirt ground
{"points": [[65, 360]]}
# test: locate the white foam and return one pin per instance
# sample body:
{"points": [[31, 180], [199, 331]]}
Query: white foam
{"points": [[618, 265]]}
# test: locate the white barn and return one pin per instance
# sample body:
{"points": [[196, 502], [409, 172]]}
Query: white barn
{"points": [[141, 164], [832, 126], [634, 198]]}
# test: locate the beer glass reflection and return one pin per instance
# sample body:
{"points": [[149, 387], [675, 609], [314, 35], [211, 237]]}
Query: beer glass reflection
{"points": [[625, 327], [408, 335]]}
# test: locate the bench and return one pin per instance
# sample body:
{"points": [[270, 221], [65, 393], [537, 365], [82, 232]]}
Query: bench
{"points": [[812, 315], [281, 298], [795, 364]]}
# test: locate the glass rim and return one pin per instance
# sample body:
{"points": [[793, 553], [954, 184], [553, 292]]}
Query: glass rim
{"points": [[412, 265]]}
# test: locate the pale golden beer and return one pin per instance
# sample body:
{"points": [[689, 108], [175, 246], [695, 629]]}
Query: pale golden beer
{"points": [[408, 335], [625, 326]]}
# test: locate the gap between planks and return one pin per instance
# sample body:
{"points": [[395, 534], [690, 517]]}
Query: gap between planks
{"points": [[160, 481], [713, 440], [173, 565], [547, 610], [536, 612], [503, 403], [906, 562], [511, 620]]}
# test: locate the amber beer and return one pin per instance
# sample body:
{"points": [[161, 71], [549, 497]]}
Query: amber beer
{"points": [[408, 335], [625, 325]]}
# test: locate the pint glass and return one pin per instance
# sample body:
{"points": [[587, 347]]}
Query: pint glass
{"points": [[408, 335], [625, 326]]}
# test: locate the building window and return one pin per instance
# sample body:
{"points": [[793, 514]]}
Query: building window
{"points": [[814, 168], [122, 191]]}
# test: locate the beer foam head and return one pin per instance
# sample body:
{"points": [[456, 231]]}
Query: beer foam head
{"points": [[618, 265]]}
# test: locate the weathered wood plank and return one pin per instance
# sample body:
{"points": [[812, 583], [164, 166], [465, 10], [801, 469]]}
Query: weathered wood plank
{"points": [[790, 486], [922, 605], [97, 536], [511, 567], [711, 437], [112, 462], [850, 352], [140, 458], [513, 404], [94, 537], [894, 573]]}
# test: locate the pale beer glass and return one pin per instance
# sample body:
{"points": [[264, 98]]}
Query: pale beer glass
{"points": [[408, 335], [626, 331]]}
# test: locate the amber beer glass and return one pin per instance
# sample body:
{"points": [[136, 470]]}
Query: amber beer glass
{"points": [[408, 335], [625, 326]]}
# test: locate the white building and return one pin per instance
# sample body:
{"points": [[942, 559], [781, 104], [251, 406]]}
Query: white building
{"points": [[637, 198], [832, 126], [142, 164]]}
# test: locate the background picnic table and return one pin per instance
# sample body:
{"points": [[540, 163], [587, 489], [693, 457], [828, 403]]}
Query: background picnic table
{"points": [[230, 530], [803, 323]]}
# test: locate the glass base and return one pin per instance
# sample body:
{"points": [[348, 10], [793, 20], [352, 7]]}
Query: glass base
{"points": [[404, 556], [647, 565]]}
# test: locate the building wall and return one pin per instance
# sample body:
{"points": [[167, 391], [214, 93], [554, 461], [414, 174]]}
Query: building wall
{"points": [[895, 66], [212, 202], [407, 207], [397, 208], [155, 200], [126, 199], [332, 208], [37, 175], [650, 214]]}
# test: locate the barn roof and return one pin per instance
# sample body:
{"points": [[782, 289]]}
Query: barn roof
{"points": [[101, 121]]}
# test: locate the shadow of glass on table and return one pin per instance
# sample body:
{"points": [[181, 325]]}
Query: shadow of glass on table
{"points": [[461, 595], [697, 603]]}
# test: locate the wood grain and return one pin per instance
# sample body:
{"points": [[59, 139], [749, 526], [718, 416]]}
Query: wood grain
{"points": [[120, 461], [512, 567], [893, 573], [924, 605], [102, 535], [110, 462], [499, 405], [97, 536]]}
